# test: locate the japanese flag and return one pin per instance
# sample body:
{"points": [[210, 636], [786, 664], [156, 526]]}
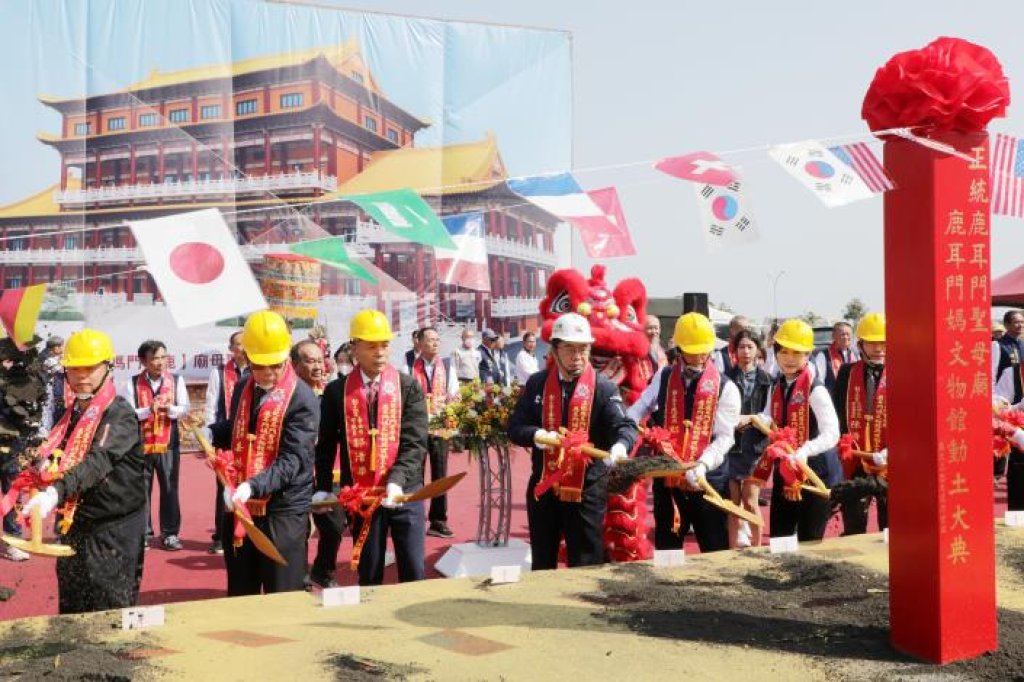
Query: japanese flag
{"points": [[198, 267]]}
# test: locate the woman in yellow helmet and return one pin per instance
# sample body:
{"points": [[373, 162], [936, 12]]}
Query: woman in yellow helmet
{"points": [[96, 449], [799, 399]]}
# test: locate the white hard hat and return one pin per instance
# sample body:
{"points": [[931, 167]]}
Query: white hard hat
{"points": [[572, 328]]}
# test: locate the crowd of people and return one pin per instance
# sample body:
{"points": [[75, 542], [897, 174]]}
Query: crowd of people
{"points": [[349, 452]]}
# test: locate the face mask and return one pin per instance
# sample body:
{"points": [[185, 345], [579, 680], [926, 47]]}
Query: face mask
{"points": [[344, 370], [265, 387], [468, 343], [691, 372], [83, 396]]}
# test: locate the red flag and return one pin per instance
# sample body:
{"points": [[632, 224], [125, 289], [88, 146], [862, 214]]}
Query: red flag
{"points": [[19, 310], [702, 167], [605, 236]]}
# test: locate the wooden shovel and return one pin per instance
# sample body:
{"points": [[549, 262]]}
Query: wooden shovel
{"points": [[587, 450], [434, 489], [728, 506], [817, 486], [35, 545], [258, 538]]}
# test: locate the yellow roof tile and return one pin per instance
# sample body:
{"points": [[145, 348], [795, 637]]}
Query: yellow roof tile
{"points": [[451, 169], [346, 57], [39, 204]]}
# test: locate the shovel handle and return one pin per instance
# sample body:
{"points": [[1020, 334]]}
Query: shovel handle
{"points": [[587, 450]]}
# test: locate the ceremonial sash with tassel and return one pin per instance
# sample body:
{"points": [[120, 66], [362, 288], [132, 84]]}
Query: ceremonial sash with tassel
{"points": [[372, 450], [868, 427], [435, 388], [691, 436], [231, 376], [78, 443], [156, 430], [789, 434], [836, 360], [566, 466], [254, 454]]}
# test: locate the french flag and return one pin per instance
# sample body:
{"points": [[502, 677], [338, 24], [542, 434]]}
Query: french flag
{"points": [[560, 195], [466, 265]]}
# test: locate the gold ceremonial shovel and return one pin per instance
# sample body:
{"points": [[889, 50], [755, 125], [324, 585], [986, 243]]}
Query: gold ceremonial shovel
{"points": [[34, 545], [435, 489], [817, 486], [258, 538], [587, 450], [728, 506]]}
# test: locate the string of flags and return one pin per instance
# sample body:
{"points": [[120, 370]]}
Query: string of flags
{"points": [[193, 257]]}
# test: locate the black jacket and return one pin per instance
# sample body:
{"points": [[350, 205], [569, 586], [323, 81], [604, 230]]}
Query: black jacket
{"points": [[841, 388], [108, 481], [407, 470], [608, 421], [288, 481]]}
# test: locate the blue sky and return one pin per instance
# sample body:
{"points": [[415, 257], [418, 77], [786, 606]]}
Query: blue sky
{"points": [[649, 79]]}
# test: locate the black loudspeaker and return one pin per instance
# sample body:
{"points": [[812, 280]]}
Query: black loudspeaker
{"points": [[696, 303]]}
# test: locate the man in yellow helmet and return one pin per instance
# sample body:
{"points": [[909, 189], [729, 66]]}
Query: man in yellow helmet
{"points": [[378, 418], [93, 455], [799, 399], [699, 407], [270, 431], [860, 399]]}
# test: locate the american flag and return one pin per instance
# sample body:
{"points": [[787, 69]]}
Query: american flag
{"points": [[1008, 176], [860, 158]]}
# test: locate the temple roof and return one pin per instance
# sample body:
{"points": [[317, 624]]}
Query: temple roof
{"points": [[345, 57], [432, 171], [38, 205]]}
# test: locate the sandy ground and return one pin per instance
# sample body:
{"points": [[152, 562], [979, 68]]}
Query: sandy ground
{"points": [[819, 615]]}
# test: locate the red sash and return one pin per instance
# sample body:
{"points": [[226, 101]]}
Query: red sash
{"points": [[231, 375], [799, 408], [867, 426], [372, 451], [691, 436], [436, 388], [569, 487], [836, 358], [254, 453], [78, 443], [156, 429]]}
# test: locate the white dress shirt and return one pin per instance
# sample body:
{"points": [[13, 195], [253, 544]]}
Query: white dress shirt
{"points": [[176, 411], [824, 413], [822, 359], [452, 383], [526, 365], [727, 414]]}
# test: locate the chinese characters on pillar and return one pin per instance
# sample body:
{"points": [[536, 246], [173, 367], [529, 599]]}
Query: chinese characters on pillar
{"points": [[964, 369]]}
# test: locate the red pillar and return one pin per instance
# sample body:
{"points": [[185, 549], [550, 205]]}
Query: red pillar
{"points": [[266, 152], [942, 551], [160, 162], [316, 149], [98, 172], [131, 165], [195, 161], [63, 174]]}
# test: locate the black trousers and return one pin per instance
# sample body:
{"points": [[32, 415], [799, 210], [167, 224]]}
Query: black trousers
{"points": [[408, 535], [855, 512], [106, 570], [218, 513], [249, 572], [330, 527], [709, 524], [437, 449], [807, 518], [165, 467], [1015, 480], [579, 522]]}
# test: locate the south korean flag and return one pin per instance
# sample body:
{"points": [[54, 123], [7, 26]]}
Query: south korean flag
{"points": [[822, 172], [725, 215]]}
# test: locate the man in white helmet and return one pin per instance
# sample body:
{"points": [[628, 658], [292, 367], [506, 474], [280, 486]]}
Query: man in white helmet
{"points": [[569, 498]]}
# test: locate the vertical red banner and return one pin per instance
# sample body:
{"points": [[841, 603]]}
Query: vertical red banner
{"points": [[937, 276]]}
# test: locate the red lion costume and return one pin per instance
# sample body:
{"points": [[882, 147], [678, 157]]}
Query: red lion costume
{"points": [[619, 353]]}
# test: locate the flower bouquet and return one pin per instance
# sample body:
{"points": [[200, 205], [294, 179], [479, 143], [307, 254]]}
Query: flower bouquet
{"points": [[479, 414]]}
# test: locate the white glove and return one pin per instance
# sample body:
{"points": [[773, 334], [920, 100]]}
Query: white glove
{"points": [[617, 454], [694, 475], [881, 458], [1018, 439], [799, 457], [229, 506], [144, 413], [45, 502], [391, 496], [541, 434], [319, 497], [242, 494]]}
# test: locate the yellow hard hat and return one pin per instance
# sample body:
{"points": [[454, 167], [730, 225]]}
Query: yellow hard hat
{"points": [[694, 334], [370, 325], [88, 347], [871, 328], [266, 338], [795, 335]]}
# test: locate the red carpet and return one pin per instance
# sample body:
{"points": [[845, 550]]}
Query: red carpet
{"points": [[193, 574]]}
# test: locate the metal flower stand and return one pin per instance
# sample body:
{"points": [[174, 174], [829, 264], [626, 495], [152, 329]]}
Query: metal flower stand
{"points": [[493, 547]]}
